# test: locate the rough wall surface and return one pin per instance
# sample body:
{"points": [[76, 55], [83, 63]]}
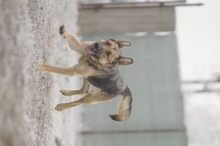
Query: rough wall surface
{"points": [[28, 37]]}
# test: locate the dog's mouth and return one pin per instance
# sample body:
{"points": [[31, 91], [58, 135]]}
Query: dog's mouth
{"points": [[90, 50]]}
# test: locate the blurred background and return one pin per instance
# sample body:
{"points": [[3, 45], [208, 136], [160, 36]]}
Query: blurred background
{"points": [[174, 79]]}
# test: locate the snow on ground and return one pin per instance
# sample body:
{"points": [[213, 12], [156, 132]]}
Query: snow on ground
{"points": [[28, 37]]}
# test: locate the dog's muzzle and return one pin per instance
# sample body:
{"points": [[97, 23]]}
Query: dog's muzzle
{"points": [[96, 46]]}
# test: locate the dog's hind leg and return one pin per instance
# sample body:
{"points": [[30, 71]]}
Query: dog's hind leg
{"points": [[96, 96], [83, 90]]}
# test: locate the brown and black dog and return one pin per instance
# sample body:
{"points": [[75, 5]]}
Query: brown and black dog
{"points": [[99, 64]]}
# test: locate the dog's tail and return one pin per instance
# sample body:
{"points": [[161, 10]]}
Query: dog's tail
{"points": [[124, 107]]}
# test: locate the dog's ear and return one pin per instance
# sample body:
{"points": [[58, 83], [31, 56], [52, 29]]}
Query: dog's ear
{"points": [[125, 61], [123, 43]]}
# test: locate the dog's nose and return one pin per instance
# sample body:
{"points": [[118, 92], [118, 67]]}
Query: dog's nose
{"points": [[97, 46]]}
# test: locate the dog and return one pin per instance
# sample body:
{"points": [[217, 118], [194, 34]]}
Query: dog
{"points": [[99, 64]]}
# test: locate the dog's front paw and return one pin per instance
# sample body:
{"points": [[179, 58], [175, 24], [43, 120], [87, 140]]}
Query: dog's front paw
{"points": [[42, 67], [62, 30], [60, 107], [64, 92]]}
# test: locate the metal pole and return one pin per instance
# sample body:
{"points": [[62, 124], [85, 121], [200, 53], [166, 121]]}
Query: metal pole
{"points": [[132, 131], [85, 6]]}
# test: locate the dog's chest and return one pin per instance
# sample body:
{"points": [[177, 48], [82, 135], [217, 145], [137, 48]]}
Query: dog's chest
{"points": [[112, 84], [102, 83]]}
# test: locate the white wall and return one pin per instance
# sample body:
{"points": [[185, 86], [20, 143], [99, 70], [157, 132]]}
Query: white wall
{"points": [[199, 48], [198, 38]]}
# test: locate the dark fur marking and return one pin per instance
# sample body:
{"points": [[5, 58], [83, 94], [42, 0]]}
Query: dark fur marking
{"points": [[108, 53], [113, 40], [108, 43], [113, 83], [115, 61], [93, 65]]}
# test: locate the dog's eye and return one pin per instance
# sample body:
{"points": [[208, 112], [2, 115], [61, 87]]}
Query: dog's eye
{"points": [[107, 43], [108, 53]]}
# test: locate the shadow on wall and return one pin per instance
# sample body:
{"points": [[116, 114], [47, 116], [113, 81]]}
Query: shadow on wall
{"points": [[29, 36]]}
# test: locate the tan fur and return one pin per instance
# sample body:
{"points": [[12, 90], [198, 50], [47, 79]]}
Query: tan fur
{"points": [[84, 68], [83, 90], [123, 108]]}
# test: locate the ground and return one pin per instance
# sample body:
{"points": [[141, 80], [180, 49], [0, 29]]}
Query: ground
{"points": [[28, 37]]}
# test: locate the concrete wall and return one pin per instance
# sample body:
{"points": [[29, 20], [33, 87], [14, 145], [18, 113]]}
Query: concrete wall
{"points": [[28, 37], [126, 20]]}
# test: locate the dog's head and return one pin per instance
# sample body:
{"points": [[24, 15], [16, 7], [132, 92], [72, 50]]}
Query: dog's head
{"points": [[107, 52]]}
